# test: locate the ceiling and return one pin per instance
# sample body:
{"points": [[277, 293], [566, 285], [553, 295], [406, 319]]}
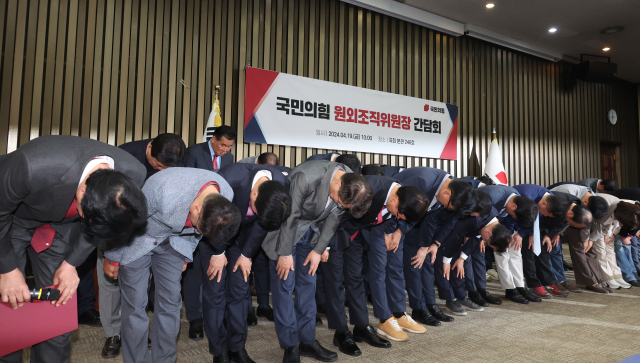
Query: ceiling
{"points": [[579, 23]]}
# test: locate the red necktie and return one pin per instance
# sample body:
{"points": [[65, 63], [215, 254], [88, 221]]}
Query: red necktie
{"points": [[379, 220], [43, 235], [215, 162]]}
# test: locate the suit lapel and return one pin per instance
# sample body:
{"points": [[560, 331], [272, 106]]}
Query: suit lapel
{"points": [[323, 192], [206, 154]]}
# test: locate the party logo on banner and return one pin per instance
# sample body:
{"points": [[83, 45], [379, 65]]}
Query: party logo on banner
{"points": [[283, 109]]}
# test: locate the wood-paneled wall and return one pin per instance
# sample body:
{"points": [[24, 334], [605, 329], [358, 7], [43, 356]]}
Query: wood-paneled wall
{"points": [[122, 70]]}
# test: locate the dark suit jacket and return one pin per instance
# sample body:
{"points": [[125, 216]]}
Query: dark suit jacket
{"points": [[350, 227], [321, 157], [40, 181], [466, 227], [535, 193], [627, 193], [499, 195], [240, 177], [392, 171], [553, 226], [138, 149], [199, 156]]}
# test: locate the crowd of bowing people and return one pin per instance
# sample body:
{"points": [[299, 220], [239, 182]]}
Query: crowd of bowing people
{"points": [[325, 237]]}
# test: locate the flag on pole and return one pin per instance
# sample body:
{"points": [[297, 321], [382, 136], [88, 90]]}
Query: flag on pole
{"points": [[494, 168], [215, 118]]}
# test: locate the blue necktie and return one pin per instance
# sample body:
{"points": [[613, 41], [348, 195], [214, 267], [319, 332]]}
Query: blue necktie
{"points": [[536, 236]]}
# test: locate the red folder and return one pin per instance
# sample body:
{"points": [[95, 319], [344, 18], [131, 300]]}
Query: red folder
{"points": [[35, 322]]}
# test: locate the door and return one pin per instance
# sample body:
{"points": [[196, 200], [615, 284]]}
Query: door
{"points": [[608, 162]]}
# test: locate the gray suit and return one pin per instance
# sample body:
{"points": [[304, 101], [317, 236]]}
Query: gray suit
{"points": [[249, 160], [165, 246], [591, 183]]}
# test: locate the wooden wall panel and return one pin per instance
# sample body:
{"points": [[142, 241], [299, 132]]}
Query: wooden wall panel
{"points": [[123, 70]]}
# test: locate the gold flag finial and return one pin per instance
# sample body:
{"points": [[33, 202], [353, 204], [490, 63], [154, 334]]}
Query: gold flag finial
{"points": [[495, 137], [216, 103]]}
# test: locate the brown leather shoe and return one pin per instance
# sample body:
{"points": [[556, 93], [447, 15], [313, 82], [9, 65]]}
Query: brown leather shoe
{"points": [[597, 288], [606, 288], [111, 347], [569, 286]]}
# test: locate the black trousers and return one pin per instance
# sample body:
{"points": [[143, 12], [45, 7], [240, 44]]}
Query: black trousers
{"points": [[536, 269]]}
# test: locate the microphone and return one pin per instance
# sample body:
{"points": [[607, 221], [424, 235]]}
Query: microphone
{"points": [[47, 294]]}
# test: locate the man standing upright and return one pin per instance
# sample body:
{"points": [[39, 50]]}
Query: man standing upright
{"points": [[212, 155], [320, 191]]}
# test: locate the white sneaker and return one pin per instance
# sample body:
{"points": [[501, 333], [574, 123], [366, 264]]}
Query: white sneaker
{"points": [[492, 275], [613, 284], [623, 284]]}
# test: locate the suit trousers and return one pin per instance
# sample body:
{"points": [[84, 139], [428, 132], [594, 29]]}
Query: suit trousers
{"points": [[537, 269], [385, 274], [238, 301], [475, 270], [86, 292], [295, 320], [109, 297], [44, 265], [261, 279], [353, 268], [321, 299], [585, 265], [609, 269], [509, 266], [166, 264], [214, 301], [333, 288], [624, 260], [192, 286], [420, 281], [556, 259], [457, 284]]}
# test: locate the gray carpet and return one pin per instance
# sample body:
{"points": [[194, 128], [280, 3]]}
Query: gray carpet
{"points": [[584, 327]]}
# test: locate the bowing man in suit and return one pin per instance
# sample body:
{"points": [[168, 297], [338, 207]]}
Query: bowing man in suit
{"points": [[597, 185], [212, 155], [163, 151], [260, 193], [350, 160], [391, 202], [320, 192], [508, 202], [262, 159], [50, 185], [535, 258], [328, 157], [183, 205], [480, 229], [392, 171]]}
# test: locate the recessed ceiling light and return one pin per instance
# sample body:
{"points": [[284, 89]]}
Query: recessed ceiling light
{"points": [[553, 30], [612, 30], [606, 49], [490, 6]]}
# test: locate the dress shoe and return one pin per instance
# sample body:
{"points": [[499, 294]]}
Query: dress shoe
{"points": [[265, 312], [318, 320], [438, 314], [252, 319], [635, 283], [254, 292], [598, 288], [623, 283], [221, 358], [527, 295], [566, 266], [470, 305], [512, 295], [240, 356], [477, 298], [610, 290], [370, 337], [391, 330], [291, 355], [570, 286], [196, 331], [111, 347], [317, 352], [423, 316], [346, 344], [489, 298], [455, 307], [90, 317]]}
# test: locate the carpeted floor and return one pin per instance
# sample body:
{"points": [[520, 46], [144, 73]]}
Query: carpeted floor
{"points": [[583, 327]]}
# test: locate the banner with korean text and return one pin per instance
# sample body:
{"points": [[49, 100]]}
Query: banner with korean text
{"points": [[283, 109]]}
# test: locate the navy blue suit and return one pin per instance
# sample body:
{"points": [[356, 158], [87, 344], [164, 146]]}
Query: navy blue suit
{"points": [[345, 264], [537, 269], [435, 225], [198, 156], [232, 293], [392, 171], [499, 195]]}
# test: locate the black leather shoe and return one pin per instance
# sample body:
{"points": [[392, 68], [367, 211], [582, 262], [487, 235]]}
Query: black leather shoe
{"points": [[490, 298], [635, 283], [318, 320], [221, 358], [477, 298], [346, 344], [252, 319], [291, 355], [90, 317], [566, 266], [265, 312], [111, 347], [196, 331], [370, 337], [438, 314], [515, 297], [317, 352], [527, 295], [240, 356], [423, 316]]}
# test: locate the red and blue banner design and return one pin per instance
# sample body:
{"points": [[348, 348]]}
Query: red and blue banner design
{"points": [[284, 109]]}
